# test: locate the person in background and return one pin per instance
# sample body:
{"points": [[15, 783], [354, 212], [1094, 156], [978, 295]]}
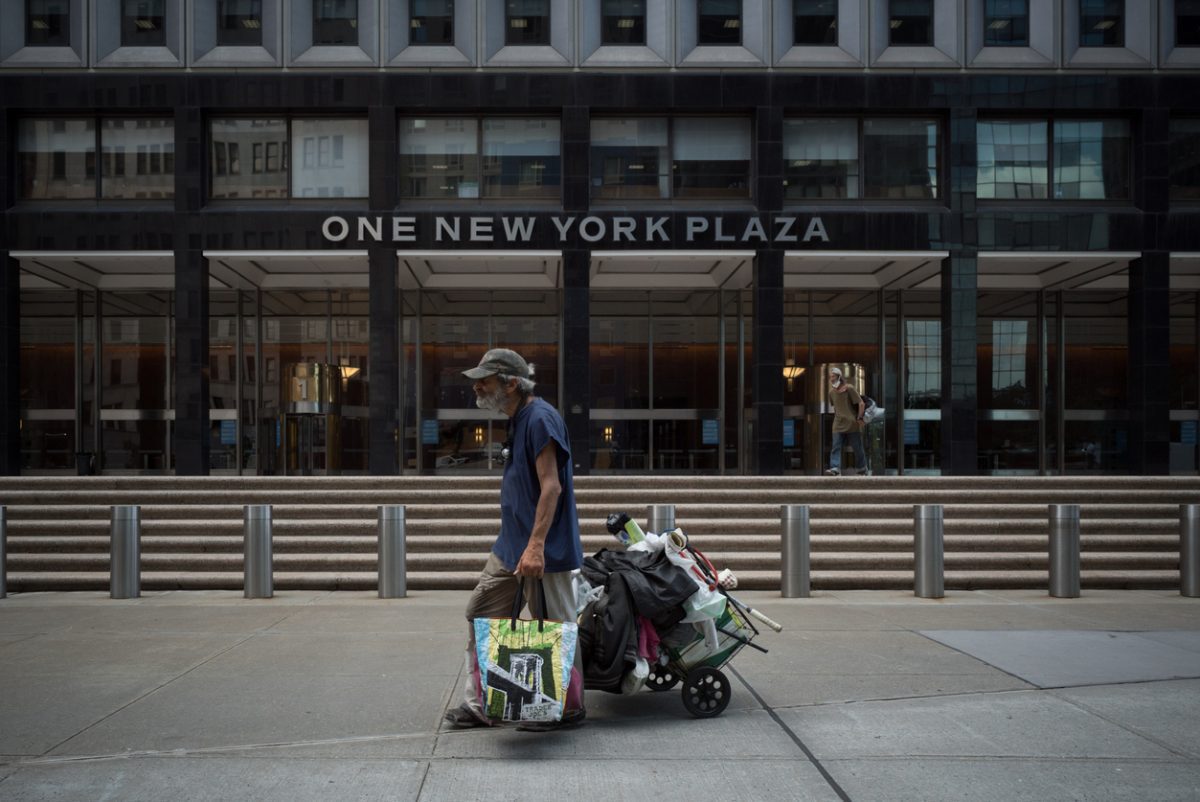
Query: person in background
{"points": [[848, 408]]}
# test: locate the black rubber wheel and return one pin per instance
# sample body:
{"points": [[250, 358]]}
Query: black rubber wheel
{"points": [[705, 692], [661, 678]]}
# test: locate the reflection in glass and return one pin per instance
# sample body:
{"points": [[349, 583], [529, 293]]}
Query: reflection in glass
{"points": [[439, 158], [335, 22], [1091, 159], [1185, 159], [923, 364], [48, 23], [57, 158], [821, 158], [1101, 23], [1187, 23], [1097, 351], [1013, 159], [910, 22], [815, 22], [137, 158], [623, 22], [720, 22], [143, 23], [1097, 447], [135, 377], [527, 22], [330, 158], [685, 356], [900, 158], [1006, 23], [620, 445], [431, 22], [629, 158], [238, 162], [521, 158], [1008, 446], [711, 157], [239, 22]]}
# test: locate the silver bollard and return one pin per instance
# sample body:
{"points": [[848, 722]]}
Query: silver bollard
{"points": [[258, 567], [125, 557], [393, 579], [3, 552], [1064, 551], [796, 578], [1189, 550], [929, 581], [660, 517]]}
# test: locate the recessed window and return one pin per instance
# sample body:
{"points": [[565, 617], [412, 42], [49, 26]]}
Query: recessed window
{"points": [[1061, 159], [335, 22], [467, 158], [1187, 23], [47, 23], [1185, 159], [629, 159], [1101, 23], [527, 22], [660, 158], [623, 22], [281, 158], [143, 23], [815, 22], [878, 158], [239, 22], [910, 22], [720, 22], [1006, 23], [431, 22], [57, 158]]}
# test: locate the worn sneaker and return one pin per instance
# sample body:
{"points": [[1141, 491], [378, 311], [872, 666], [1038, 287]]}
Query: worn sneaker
{"points": [[464, 718], [572, 718], [833, 472]]}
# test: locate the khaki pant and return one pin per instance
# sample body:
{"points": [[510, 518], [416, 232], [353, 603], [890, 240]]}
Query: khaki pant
{"points": [[493, 598]]}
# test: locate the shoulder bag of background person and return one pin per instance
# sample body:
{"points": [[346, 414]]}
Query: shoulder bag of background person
{"points": [[872, 411]]}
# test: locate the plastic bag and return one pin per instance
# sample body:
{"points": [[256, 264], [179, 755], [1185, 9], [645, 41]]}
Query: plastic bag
{"points": [[706, 603]]}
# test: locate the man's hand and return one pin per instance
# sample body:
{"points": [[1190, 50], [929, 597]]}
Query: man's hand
{"points": [[532, 563]]}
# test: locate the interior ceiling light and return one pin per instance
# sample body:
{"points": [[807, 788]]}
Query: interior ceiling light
{"points": [[40, 25], [518, 22], [250, 23], [997, 24], [1105, 25], [416, 23], [146, 24], [896, 23], [733, 23], [626, 23]]}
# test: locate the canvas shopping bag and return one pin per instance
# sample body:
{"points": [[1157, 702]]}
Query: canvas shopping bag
{"points": [[525, 665]]}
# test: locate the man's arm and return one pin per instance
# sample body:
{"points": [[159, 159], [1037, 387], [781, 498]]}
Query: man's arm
{"points": [[533, 560]]}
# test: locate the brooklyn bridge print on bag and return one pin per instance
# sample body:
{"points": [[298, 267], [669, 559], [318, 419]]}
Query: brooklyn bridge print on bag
{"points": [[523, 671]]}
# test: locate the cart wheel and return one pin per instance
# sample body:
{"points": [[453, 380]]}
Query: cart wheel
{"points": [[705, 692], [661, 678]]}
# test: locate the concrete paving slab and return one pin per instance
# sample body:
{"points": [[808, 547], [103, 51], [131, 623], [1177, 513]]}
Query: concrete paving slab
{"points": [[191, 598], [938, 614], [1183, 614], [1032, 724], [392, 616], [889, 653], [263, 707], [782, 689], [797, 615], [112, 654], [358, 747], [1065, 658], [205, 779], [151, 620], [1016, 780], [1168, 712], [324, 654], [35, 620], [6, 640], [1188, 640], [628, 779]]}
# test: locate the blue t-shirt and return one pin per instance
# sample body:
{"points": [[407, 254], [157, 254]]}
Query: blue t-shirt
{"points": [[536, 424]]}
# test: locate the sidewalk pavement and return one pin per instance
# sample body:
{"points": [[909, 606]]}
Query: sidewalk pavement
{"points": [[865, 695]]}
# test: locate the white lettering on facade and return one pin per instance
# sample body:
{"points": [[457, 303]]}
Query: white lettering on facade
{"points": [[481, 229], [720, 235], [754, 228], [518, 229], [327, 229], [696, 225], [563, 226], [784, 234], [624, 227], [816, 229], [597, 232], [404, 229], [365, 228], [451, 229]]}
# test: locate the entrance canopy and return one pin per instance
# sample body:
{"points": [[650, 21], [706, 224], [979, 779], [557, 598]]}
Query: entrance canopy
{"points": [[1185, 271], [96, 270], [479, 270], [1087, 270], [288, 270], [673, 270], [863, 270]]}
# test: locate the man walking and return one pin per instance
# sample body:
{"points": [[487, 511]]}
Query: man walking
{"points": [[848, 409], [539, 527]]}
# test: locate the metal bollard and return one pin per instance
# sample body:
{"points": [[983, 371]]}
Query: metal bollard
{"points": [[1064, 551], [258, 567], [929, 581], [1189, 550], [660, 517], [393, 579], [796, 578], [3, 552], [125, 556]]}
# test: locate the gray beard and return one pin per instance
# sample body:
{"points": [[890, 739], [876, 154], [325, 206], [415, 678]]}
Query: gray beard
{"points": [[493, 402]]}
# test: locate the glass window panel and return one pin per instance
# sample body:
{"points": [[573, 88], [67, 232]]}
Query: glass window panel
{"points": [[1097, 351], [923, 364], [431, 22], [821, 158], [1097, 446], [134, 376], [620, 354], [143, 23], [527, 22], [1008, 447], [335, 158], [815, 22], [1101, 23], [335, 22], [1012, 159], [1187, 23], [1185, 159], [137, 158], [720, 22], [685, 351], [47, 363], [910, 22], [711, 157], [439, 158], [233, 139], [629, 158], [57, 159], [47, 23], [521, 158], [1091, 159], [900, 158], [1007, 351], [623, 22], [48, 445], [1185, 382], [239, 22], [1006, 23], [620, 445]]}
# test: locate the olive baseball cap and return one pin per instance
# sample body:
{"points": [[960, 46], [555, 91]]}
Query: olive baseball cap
{"points": [[500, 360]]}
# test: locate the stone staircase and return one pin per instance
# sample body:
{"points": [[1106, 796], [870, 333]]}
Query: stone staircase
{"points": [[325, 528]]}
